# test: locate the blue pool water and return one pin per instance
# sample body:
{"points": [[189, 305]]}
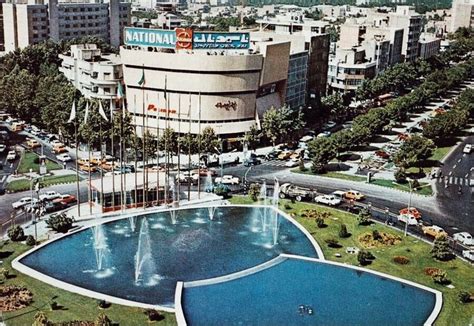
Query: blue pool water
{"points": [[336, 296], [192, 249]]}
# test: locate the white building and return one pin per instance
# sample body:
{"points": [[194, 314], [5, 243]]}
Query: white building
{"points": [[429, 45], [462, 14], [94, 74]]}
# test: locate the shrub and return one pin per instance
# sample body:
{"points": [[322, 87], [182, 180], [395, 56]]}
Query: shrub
{"points": [[103, 304], [4, 272], [465, 297], [60, 222], [364, 216], [365, 257], [440, 277], [320, 222], [441, 249], [332, 243], [376, 235], [302, 167], [254, 191], [343, 231], [16, 233], [153, 315], [30, 240], [103, 320], [415, 184], [287, 206], [402, 260], [400, 176], [36, 160], [431, 270], [41, 319], [222, 190]]}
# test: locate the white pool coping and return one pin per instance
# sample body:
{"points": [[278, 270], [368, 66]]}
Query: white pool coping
{"points": [[283, 257], [16, 264]]}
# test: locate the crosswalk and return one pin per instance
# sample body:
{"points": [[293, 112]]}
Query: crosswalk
{"points": [[274, 163], [453, 180]]}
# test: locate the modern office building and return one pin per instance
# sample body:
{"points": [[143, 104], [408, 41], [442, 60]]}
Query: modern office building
{"points": [[411, 22], [462, 12], [429, 45], [94, 74], [38, 20]]}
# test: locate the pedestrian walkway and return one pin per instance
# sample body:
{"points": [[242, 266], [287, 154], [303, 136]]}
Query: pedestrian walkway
{"points": [[453, 180]]}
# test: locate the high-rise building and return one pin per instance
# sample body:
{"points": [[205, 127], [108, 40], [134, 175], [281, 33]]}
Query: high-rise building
{"points": [[411, 22], [36, 21], [462, 14]]}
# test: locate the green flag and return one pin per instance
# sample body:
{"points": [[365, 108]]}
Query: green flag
{"points": [[141, 82]]}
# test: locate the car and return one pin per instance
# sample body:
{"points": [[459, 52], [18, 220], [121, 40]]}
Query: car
{"points": [[329, 125], [327, 200], [469, 254], [406, 218], [55, 142], [252, 161], [464, 238], [24, 201], [339, 194], [51, 207], [59, 149], [292, 163], [228, 179], [49, 195], [186, 177], [297, 154], [204, 172], [65, 198], [33, 143], [64, 157], [11, 156], [273, 154], [284, 155], [354, 195], [87, 167], [434, 231], [467, 149], [413, 211], [323, 134], [288, 190], [2, 148]]}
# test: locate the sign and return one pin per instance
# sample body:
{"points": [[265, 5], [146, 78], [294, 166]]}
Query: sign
{"points": [[150, 37], [227, 105], [186, 38], [223, 41]]}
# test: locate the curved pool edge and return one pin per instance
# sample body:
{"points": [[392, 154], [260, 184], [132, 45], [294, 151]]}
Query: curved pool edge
{"points": [[22, 268], [180, 317]]}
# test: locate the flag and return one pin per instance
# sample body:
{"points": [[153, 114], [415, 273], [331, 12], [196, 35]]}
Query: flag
{"points": [[37, 186], [141, 82], [111, 111], [120, 93], [102, 112], [73, 112], [86, 115]]}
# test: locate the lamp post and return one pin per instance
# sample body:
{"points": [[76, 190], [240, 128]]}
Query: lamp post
{"points": [[409, 203], [33, 217]]}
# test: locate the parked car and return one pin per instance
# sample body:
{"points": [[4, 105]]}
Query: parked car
{"points": [[434, 231], [2, 148], [54, 206], [287, 190], [186, 177], [33, 143], [49, 195], [329, 125], [65, 198], [436, 173], [297, 154], [382, 154], [413, 211], [87, 167], [228, 179], [59, 149], [284, 155], [339, 194], [323, 134], [292, 163], [469, 254], [204, 172], [24, 201], [252, 161], [11, 156], [467, 149], [64, 157], [405, 218], [327, 200], [464, 238], [273, 154], [353, 194], [55, 142]]}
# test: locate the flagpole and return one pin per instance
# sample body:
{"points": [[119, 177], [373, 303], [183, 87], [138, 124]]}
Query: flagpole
{"points": [[122, 170], [113, 157], [179, 147], [77, 170], [136, 148], [158, 149], [166, 142], [189, 149], [146, 156], [100, 167], [199, 148]]}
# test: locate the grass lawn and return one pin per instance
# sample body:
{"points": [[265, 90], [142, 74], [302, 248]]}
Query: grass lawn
{"points": [[24, 184], [460, 273], [335, 175], [439, 153], [74, 306], [28, 162], [425, 190]]}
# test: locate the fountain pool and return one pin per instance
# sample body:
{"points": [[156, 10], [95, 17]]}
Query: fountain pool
{"points": [[146, 255]]}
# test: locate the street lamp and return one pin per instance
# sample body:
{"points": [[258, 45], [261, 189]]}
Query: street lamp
{"points": [[409, 203], [33, 217]]}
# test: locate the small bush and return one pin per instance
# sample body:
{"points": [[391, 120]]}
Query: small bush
{"points": [[441, 250], [464, 297], [364, 216], [254, 191], [103, 320], [402, 260], [153, 315], [431, 270], [302, 167], [400, 176], [415, 184], [343, 231], [60, 222], [365, 257], [332, 243], [376, 235], [30, 240], [320, 222], [16, 233], [287, 206], [440, 277], [36, 160]]}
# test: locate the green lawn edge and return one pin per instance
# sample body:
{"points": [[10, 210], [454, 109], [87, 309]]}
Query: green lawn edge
{"points": [[27, 163], [25, 184]]}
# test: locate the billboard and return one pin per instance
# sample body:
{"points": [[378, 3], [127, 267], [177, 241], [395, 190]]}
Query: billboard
{"points": [[186, 38]]}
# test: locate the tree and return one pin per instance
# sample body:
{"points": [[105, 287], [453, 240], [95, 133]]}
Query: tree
{"points": [[440, 250], [208, 140], [414, 149], [334, 104], [60, 222], [364, 216], [16, 233], [321, 151], [252, 137], [254, 191], [365, 257], [168, 143], [281, 123], [188, 143], [343, 233], [41, 319]]}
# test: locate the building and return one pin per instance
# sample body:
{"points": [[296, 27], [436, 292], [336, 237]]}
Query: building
{"points": [[36, 21], [429, 45], [348, 69], [462, 12], [194, 80], [2, 35], [392, 34], [94, 74], [412, 24]]}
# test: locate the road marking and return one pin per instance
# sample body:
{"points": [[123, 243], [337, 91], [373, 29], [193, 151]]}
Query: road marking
{"points": [[3, 179], [451, 180], [450, 173], [454, 166], [459, 160], [467, 175]]}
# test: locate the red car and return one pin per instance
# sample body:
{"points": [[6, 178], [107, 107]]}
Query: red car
{"points": [[204, 172], [382, 154], [66, 199]]}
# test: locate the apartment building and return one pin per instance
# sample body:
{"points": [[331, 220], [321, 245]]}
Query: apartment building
{"points": [[462, 13], [429, 45]]}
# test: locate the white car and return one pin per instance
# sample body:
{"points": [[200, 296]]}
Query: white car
{"points": [[467, 149], [56, 142], [292, 163], [228, 179], [327, 200], [183, 177], [11, 156], [24, 201], [469, 254], [64, 157], [407, 218], [329, 125], [324, 134], [50, 195], [2, 148], [464, 238]]}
